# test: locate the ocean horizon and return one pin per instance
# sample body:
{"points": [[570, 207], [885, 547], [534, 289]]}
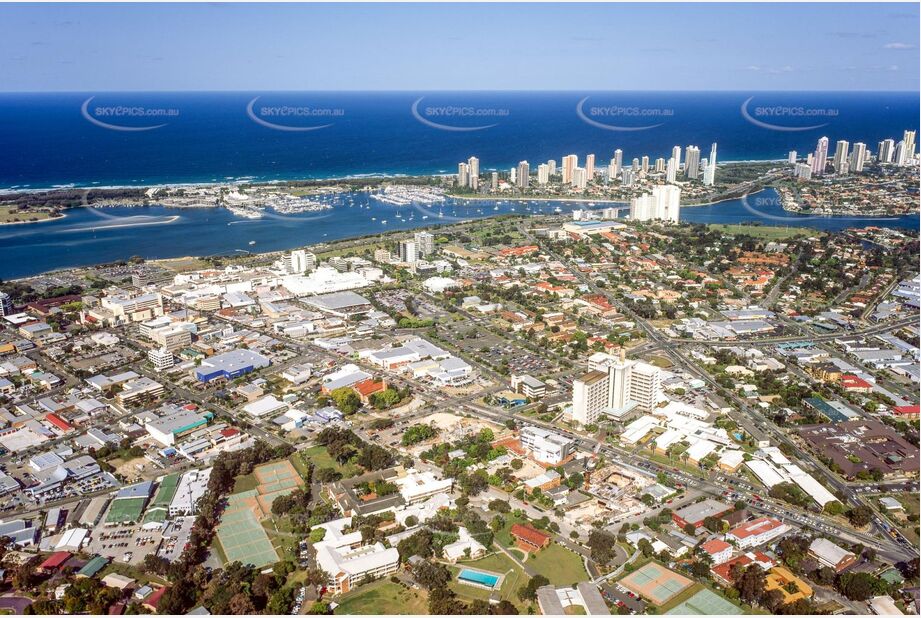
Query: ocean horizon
{"points": [[118, 139]]}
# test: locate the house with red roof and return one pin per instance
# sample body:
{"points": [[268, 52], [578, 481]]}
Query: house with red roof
{"points": [[153, 600], [368, 387], [528, 538], [723, 573], [58, 422], [54, 562]]}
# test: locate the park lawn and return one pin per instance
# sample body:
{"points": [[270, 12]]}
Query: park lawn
{"points": [[504, 535], [560, 565], [321, 459], [767, 232], [574, 610], [299, 464], [383, 597], [10, 214], [515, 578]]}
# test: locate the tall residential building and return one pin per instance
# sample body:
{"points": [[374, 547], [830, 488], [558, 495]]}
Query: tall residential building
{"points": [[676, 155], [664, 204], [671, 170], [635, 165], [644, 164], [579, 178], [513, 175], [425, 243], [543, 174], [551, 164], [612, 384], [494, 181], [618, 161], [820, 160], [858, 156], [660, 165], [463, 175], [408, 253], [803, 171], [692, 162], [523, 174], [590, 166], [6, 304], [840, 162], [668, 202], [901, 154], [627, 177], [298, 262], [791, 157], [570, 162], [886, 151], [909, 138], [473, 170], [709, 173]]}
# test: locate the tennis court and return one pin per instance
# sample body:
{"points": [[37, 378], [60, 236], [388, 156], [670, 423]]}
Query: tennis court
{"points": [[704, 603], [276, 479], [241, 535], [655, 582]]}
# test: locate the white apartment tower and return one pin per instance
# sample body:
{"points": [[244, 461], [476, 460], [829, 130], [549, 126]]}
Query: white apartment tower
{"points": [[821, 157], [671, 170], [590, 166], [408, 253], [425, 243], [543, 174], [613, 383], [692, 162]]}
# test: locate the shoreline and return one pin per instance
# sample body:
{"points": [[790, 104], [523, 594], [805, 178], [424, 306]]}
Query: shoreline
{"points": [[49, 219], [253, 181]]}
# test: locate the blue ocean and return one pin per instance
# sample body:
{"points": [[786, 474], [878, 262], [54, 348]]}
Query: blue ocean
{"points": [[93, 140], [100, 139]]}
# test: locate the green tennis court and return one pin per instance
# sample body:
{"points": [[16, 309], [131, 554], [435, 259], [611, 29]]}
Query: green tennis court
{"points": [[655, 583], [704, 603], [241, 535]]}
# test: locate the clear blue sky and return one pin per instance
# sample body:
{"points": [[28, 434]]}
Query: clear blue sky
{"points": [[100, 47]]}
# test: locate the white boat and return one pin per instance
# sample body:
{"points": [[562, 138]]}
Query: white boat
{"points": [[252, 242]]}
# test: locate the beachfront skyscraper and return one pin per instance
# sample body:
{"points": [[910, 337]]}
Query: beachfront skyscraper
{"points": [[551, 165], [713, 154], [671, 170], [569, 163], [791, 157], [644, 164], [692, 162], [858, 155], [579, 178], [473, 171], [840, 162], [886, 151], [909, 138], [821, 157], [618, 161], [523, 174], [463, 175], [543, 174], [590, 166], [660, 165]]}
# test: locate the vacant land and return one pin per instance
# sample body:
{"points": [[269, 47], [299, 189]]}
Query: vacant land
{"points": [[558, 564], [321, 459], [383, 597]]}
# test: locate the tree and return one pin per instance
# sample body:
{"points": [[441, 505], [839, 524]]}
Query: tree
{"points": [[528, 592], [860, 516], [346, 399], [602, 545], [859, 586], [690, 529], [431, 575], [499, 506], [750, 584]]}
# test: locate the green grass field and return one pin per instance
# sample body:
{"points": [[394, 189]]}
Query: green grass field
{"points": [[321, 459], [383, 597], [558, 564], [504, 535], [763, 231]]}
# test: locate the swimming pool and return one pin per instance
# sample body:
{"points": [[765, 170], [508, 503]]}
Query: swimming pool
{"points": [[478, 578]]}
